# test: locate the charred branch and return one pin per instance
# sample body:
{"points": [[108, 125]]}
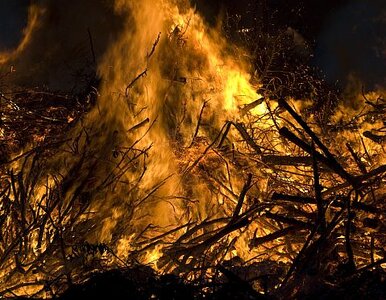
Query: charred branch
{"points": [[132, 83], [273, 236], [332, 164], [243, 193], [154, 46]]}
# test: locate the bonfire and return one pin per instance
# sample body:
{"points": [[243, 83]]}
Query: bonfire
{"points": [[179, 170]]}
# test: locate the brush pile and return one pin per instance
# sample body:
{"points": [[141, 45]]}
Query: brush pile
{"points": [[319, 226]]}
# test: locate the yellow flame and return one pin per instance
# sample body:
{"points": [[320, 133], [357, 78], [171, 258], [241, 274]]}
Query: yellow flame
{"points": [[168, 82], [152, 256]]}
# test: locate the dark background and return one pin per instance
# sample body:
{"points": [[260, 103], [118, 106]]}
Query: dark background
{"points": [[307, 16], [13, 18], [345, 37]]}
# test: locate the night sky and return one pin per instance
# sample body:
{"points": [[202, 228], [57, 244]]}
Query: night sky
{"points": [[346, 36], [13, 18], [354, 41]]}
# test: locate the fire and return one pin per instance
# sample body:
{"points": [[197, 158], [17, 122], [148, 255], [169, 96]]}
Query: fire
{"points": [[152, 256], [180, 160], [169, 92]]}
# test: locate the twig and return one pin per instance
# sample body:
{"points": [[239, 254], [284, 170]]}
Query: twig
{"points": [[154, 46], [255, 242], [286, 160], [91, 45], [246, 137], [247, 107], [357, 160], [318, 191], [309, 200], [372, 173], [139, 125], [288, 220], [225, 134], [379, 139], [131, 84], [372, 246], [198, 122], [350, 254]]}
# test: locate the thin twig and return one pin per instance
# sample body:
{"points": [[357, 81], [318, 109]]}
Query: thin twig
{"points": [[131, 84]]}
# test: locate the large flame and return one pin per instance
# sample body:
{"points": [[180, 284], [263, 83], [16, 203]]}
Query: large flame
{"points": [[171, 88], [185, 65]]}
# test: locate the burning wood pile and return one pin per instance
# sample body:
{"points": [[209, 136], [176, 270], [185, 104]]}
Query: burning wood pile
{"points": [[183, 181], [319, 221]]}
